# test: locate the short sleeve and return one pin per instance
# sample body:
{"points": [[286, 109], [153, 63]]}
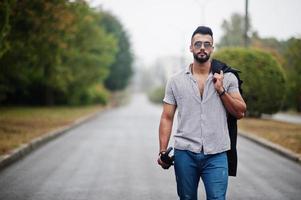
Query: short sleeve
{"points": [[169, 94], [232, 83]]}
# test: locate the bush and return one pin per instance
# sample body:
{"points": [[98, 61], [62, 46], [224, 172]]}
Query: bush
{"points": [[156, 95], [264, 86], [292, 65], [96, 94], [99, 94]]}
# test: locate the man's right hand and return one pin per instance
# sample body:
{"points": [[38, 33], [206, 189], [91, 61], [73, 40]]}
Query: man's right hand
{"points": [[164, 159], [162, 164]]}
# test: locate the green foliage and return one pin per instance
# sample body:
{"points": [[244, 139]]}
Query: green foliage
{"points": [[287, 53], [32, 64], [292, 65], [264, 84], [156, 95], [5, 11], [95, 94], [99, 94], [57, 52], [90, 53], [121, 69]]}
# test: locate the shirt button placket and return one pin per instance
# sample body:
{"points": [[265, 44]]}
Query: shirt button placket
{"points": [[202, 126]]}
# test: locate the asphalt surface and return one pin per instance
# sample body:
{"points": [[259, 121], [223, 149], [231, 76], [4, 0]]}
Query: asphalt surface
{"points": [[113, 156]]}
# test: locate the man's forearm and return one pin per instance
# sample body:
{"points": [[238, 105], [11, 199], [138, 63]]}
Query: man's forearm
{"points": [[234, 106], [164, 132]]}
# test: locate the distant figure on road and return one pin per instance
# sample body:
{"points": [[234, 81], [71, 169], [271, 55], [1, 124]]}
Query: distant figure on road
{"points": [[203, 99]]}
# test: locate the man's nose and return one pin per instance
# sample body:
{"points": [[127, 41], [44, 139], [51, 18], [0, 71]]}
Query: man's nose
{"points": [[203, 46]]}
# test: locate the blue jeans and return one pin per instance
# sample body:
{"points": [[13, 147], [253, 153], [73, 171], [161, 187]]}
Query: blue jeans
{"points": [[213, 169]]}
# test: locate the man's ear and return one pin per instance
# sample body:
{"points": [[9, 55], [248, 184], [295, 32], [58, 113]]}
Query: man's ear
{"points": [[190, 48]]}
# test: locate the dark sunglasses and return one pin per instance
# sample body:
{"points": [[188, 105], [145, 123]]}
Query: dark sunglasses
{"points": [[199, 45]]}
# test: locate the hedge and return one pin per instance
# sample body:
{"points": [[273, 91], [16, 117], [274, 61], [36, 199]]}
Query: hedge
{"points": [[264, 81]]}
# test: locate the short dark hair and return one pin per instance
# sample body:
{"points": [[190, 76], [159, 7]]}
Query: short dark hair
{"points": [[204, 30]]}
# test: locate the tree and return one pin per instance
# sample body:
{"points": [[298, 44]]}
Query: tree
{"points": [[28, 41], [292, 64], [5, 12], [233, 31], [270, 44], [90, 53], [32, 62], [57, 52], [286, 52], [121, 70]]}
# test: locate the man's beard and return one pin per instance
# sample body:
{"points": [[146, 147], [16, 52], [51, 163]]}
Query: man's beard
{"points": [[201, 59]]}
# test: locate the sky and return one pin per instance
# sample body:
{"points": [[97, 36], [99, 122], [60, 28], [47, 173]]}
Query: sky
{"points": [[159, 28]]}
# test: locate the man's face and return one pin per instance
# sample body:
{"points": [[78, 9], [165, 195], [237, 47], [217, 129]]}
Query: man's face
{"points": [[201, 47]]}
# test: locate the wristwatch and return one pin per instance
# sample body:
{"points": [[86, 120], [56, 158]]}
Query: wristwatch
{"points": [[162, 152], [223, 92]]}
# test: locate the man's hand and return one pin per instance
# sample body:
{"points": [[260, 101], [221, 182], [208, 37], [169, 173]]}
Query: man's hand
{"points": [[164, 159], [218, 81], [162, 164]]}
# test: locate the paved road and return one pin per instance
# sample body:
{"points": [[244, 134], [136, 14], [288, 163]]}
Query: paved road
{"points": [[113, 157]]}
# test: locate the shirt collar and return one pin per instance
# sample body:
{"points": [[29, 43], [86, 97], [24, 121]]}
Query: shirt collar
{"points": [[188, 70]]}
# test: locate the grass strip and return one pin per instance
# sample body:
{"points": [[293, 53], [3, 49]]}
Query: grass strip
{"points": [[285, 134], [20, 125]]}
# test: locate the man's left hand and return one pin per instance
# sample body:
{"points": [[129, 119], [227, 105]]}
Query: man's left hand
{"points": [[218, 81]]}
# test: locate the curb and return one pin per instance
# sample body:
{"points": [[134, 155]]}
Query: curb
{"points": [[25, 149], [272, 146]]}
